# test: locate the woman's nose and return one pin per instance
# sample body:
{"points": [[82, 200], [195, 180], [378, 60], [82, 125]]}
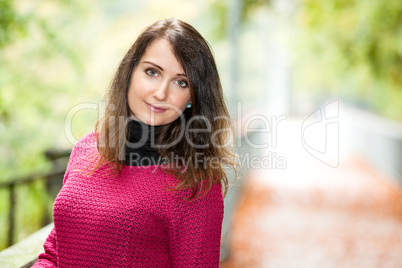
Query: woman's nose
{"points": [[161, 91]]}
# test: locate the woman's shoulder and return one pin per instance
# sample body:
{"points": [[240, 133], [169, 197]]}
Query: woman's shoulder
{"points": [[88, 141], [85, 145]]}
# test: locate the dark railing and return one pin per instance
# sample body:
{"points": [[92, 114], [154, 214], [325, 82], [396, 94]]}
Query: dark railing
{"points": [[53, 180], [24, 253]]}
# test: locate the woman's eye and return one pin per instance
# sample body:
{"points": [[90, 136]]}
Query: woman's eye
{"points": [[181, 83], [151, 72]]}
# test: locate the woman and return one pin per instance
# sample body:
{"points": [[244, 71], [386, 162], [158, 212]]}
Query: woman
{"points": [[145, 189]]}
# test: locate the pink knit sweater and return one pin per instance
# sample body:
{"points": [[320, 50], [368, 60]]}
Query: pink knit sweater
{"points": [[129, 220]]}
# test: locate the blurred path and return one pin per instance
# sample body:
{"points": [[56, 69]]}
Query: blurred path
{"points": [[313, 215]]}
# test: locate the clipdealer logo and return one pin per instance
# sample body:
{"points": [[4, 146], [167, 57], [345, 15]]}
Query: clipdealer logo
{"points": [[320, 134]]}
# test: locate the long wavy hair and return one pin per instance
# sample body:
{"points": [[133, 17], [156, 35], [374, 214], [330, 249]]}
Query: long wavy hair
{"points": [[207, 153]]}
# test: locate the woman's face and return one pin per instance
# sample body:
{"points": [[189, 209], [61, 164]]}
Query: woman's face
{"points": [[159, 90]]}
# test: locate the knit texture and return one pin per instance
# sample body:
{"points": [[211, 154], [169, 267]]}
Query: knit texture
{"points": [[130, 220]]}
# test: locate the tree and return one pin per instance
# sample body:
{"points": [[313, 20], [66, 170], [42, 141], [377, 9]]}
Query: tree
{"points": [[39, 70], [361, 44], [12, 23]]}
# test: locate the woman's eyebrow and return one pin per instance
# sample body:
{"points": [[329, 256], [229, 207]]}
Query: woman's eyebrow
{"points": [[159, 67]]}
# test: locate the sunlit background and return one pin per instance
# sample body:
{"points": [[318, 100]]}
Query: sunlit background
{"points": [[317, 82]]}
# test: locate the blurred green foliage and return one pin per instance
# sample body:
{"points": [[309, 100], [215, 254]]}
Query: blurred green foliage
{"points": [[12, 23], [34, 49], [345, 48], [362, 32], [361, 44], [40, 67], [220, 12]]}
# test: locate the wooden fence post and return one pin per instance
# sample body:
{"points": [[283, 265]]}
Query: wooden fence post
{"points": [[11, 215]]}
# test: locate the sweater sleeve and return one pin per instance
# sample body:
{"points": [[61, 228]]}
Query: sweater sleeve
{"points": [[195, 231], [48, 259]]}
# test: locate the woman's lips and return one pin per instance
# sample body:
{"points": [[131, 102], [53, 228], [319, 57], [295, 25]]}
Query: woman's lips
{"points": [[154, 108]]}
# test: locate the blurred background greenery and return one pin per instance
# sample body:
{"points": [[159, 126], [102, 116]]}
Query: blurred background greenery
{"points": [[57, 54]]}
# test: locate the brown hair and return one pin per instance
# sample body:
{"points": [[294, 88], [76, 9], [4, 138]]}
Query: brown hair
{"points": [[208, 110]]}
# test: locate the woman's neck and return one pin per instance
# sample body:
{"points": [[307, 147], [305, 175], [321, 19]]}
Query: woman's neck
{"points": [[140, 147]]}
